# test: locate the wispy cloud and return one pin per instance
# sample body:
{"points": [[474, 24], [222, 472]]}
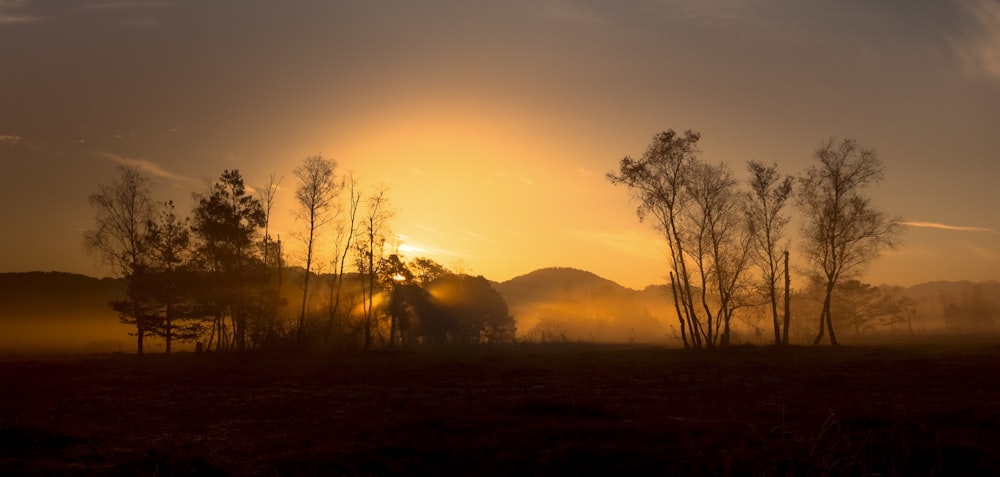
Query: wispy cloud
{"points": [[410, 249], [127, 5], [10, 138], [426, 228], [10, 13], [935, 225], [476, 235], [982, 253], [978, 47], [144, 165]]}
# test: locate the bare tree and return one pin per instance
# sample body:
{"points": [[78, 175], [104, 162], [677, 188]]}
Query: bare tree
{"points": [[369, 251], [769, 192], [345, 241], [123, 212], [842, 231], [722, 246], [271, 255], [657, 182], [266, 198], [696, 208], [315, 195]]}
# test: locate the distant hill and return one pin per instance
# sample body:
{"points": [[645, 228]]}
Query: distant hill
{"points": [[567, 304], [56, 311], [545, 283], [56, 294], [571, 304]]}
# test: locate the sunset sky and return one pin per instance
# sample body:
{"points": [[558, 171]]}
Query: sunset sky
{"points": [[493, 123]]}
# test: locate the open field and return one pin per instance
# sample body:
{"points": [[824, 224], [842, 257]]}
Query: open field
{"points": [[555, 409]]}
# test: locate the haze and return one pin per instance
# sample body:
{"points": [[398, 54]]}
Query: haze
{"points": [[493, 124]]}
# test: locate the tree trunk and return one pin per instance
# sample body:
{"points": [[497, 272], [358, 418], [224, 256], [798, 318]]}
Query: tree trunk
{"points": [[371, 291], [788, 302], [305, 283], [170, 331], [139, 336], [822, 327], [829, 326], [392, 329], [774, 315], [677, 306], [334, 302], [725, 331], [824, 317], [240, 329]]}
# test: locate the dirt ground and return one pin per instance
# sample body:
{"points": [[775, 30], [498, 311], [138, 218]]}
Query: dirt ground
{"points": [[522, 410]]}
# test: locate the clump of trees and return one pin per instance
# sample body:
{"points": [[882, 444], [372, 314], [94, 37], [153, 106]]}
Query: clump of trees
{"points": [[219, 278], [719, 231]]}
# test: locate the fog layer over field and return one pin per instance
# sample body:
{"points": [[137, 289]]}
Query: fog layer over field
{"points": [[65, 313]]}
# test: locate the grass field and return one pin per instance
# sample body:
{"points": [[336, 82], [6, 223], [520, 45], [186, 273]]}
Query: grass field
{"points": [[522, 410]]}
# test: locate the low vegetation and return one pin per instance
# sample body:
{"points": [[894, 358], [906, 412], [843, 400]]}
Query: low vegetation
{"points": [[517, 409]]}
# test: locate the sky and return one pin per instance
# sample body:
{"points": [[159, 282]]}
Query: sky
{"points": [[493, 124]]}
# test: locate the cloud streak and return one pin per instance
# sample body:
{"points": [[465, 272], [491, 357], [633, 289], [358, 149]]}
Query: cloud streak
{"points": [[144, 165], [10, 16], [935, 225], [127, 5], [979, 46]]}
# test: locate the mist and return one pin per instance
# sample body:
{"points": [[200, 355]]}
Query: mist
{"points": [[61, 335]]}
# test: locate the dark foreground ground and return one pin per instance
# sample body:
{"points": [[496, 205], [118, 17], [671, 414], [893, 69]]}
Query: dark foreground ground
{"points": [[515, 411]]}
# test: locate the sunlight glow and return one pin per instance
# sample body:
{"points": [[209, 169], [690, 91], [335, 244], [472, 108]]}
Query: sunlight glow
{"points": [[411, 250]]}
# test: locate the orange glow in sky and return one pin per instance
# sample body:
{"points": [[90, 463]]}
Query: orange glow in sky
{"points": [[493, 125]]}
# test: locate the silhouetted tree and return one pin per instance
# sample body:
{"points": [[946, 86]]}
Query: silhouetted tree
{"points": [[226, 223], [170, 246], [907, 311], [468, 310], [697, 208], [657, 181], [722, 246], [426, 270], [369, 251], [266, 196], [271, 278], [769, 192], [410, 305], [842, 231], [315, 195], [123, 214], [857, 304], [393, 275], [972, 311], [346, 232]]}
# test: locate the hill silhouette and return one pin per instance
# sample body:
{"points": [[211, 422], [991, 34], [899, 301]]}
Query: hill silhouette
{"points": [[568, 304], [543, 283], [57, 311]]}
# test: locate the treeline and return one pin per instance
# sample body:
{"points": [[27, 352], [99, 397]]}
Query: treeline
{"points": [[217, 277], [727, 240]]}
